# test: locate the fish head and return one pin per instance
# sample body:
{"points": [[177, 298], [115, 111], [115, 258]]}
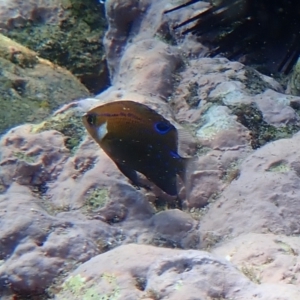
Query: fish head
{"points": [[96, 125]]}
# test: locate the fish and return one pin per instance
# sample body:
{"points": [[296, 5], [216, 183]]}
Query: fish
{"points": [[138, 139]]}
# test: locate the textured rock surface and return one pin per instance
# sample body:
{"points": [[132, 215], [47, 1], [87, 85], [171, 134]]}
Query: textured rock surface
{"points": [[59, 209], [165, 274], [64, 203], [265, 197], [264, 258], [16, 13], [66, 32], [32, 239], [31, 87]]}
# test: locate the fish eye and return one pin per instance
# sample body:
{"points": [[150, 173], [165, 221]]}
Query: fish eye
{"points": [[91, 119], [162, 127]]}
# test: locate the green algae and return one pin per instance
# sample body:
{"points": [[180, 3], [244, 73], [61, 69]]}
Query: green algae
{"points": [[251, 273], [210, 240], [97, 198], [69, 124], [21, 155], [178, 285], [286, 248], [11, 51], [3, 188], [74, 284], [78, 287], [232, 172], [192, 98], [74, 43], [279, 167], [254, 83], [261, 132], [31, 88], [165, 35]]}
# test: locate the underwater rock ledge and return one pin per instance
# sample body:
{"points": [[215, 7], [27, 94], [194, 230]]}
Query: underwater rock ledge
{"points": [[68, 212]]}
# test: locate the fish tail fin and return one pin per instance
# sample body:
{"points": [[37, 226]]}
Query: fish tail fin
{"points": [[187, 169]]}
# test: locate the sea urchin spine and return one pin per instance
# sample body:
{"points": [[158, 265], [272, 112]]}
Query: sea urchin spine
{"points": [[263, 30]]}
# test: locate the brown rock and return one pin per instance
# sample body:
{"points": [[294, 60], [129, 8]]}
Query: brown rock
{"points": [[146, 272], [32, 88], [266, 258], [264, 198]]}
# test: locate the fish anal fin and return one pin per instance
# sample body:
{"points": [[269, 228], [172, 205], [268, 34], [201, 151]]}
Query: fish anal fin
{"points": [[166, 182], [132, 175], [129, 173]]}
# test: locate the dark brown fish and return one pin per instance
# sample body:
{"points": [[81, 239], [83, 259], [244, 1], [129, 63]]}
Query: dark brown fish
{"points": [[137, 138]]}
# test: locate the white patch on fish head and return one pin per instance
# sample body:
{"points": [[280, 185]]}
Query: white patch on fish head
{"points": [[102, 131]]}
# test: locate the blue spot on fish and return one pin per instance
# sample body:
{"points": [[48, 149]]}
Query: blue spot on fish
{"points": [[174, 154], [162, 127]]}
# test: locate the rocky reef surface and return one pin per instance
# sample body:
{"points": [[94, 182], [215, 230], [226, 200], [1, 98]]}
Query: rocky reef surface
{"points": [[66, 32], [73, 227], [39, 39], [31, 87]]}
